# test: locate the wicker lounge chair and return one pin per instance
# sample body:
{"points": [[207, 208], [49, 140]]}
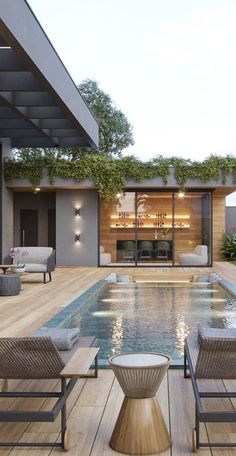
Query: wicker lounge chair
{"points": [[210, 355], [38, 358]]}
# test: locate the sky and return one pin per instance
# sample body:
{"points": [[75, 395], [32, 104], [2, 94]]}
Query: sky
{"points": [[169, 65]]}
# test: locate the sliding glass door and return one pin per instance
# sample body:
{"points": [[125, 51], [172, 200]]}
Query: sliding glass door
{"points": [[117, 231], [156, 228], [193, 229]]}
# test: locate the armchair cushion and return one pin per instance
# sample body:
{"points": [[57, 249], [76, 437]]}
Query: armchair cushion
{"points": [[34, 255], [36, 259]]}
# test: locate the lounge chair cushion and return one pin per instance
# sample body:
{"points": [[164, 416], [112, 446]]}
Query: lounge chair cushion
{"points": [[212, 334], [213, 356], [63, 338]]}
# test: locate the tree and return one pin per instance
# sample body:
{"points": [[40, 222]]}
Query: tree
{"points": [[115, 132]]}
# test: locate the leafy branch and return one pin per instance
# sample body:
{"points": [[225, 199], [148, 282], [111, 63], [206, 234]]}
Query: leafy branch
{"points": [[110, 175]]}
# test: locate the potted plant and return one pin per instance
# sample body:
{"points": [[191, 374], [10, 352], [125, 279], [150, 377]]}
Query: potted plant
{"points": [[229, 246]]}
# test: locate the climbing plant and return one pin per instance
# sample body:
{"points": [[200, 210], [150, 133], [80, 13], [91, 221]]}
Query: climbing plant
{"points": [[110, 175]]}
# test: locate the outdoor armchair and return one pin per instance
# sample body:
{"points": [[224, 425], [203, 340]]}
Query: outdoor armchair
{"points": [[36, 259], [211, 354], [38, 358], [33, 259], [199, 257]]}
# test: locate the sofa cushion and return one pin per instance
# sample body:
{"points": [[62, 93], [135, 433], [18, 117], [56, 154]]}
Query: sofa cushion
{"points": [[192, 259], [34, 255], [35, 267], [201, 250]]}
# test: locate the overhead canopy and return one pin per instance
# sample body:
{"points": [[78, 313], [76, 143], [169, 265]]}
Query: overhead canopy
{"points": [[40, 105]]}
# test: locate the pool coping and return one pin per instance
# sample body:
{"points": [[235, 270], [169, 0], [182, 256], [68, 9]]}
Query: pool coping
{"points": [[59, 320], [228, 286], [61, 317]]}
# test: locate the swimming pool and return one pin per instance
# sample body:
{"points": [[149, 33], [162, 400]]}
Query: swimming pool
{"points": [[152, 317]]}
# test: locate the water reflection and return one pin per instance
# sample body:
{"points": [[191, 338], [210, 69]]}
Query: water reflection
{"points": [[153, 317], [117, 335]]}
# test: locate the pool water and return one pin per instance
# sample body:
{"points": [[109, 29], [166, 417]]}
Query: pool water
{"points": [[153, 317]]}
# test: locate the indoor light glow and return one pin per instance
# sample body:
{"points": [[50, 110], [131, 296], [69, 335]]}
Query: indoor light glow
{"points": [[181, 194]]}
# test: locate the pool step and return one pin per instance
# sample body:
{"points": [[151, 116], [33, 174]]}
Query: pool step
{"points": [[162, 277]]}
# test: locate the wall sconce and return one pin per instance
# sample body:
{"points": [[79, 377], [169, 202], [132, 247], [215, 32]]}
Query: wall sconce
{"points": [[77, 211], [77, 237], [181, 194], [36, 190]]}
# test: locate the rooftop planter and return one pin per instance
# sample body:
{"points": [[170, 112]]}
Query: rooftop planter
{"points": [[111, 175]]}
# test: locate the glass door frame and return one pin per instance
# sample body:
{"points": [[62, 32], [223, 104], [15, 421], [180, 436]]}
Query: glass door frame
{"points": [[153, 263], [174, 192]]}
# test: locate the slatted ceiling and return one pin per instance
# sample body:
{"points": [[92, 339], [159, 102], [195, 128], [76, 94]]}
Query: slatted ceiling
{"points": [[9, 61], [17, 121], [34, 99], [40, 105], [17, 81], [3, 43]]}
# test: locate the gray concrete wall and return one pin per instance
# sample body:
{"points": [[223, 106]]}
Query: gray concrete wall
{"points": [[155, 183], [40, 202], [230, 218], [69, 252], [7, 205]]}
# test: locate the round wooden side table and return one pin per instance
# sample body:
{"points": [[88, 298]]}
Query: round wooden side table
{"points": [[140, 427]]}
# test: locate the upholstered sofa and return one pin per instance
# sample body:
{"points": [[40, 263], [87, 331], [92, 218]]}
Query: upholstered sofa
{"points": [[105, 258], [35, 259], [199, 257]]}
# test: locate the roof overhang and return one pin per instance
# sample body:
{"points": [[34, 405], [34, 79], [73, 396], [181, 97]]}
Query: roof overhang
{"points": [[40, 105]]}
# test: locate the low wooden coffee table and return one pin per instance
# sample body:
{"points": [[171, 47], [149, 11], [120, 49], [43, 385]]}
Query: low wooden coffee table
{"points": [[4, 267], [140, 427]]}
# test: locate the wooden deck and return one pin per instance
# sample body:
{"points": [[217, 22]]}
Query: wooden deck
{"points": [[94, 403]]}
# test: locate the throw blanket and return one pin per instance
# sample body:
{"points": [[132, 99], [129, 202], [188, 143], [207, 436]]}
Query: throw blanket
{"points": [[63, 338]]}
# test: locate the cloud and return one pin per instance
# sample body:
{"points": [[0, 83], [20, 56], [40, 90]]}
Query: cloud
{"points": [[168, 51], [207, 41]]}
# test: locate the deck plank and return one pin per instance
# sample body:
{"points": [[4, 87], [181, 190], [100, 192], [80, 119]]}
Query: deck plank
{"points": [[223, 432], [182, 415], [94, 404], [111, 411]]}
